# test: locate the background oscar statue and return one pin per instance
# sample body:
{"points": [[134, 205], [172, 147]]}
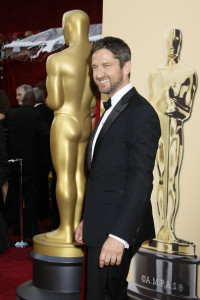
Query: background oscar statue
{"points": [[166, 267], [171, 89]]}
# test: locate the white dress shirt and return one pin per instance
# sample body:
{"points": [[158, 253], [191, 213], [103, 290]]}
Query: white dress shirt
{"points": [[114, 100]]}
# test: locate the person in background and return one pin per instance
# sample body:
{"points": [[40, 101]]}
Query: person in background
{"points": [[121, 156], [3, 165], [15, 36], [2, 52], [55, 217], [5, 241], [24, 128], [44, 155], [42, 85], [4, 106], [21, 90], [28, 33]]}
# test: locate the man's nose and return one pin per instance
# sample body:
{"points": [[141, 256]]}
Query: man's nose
{"points": [[100, 72]]}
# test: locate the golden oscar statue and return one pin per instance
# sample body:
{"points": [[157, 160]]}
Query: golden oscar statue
{"points": [[71, 96], [170, 89], [166, 267], [57, 258]]}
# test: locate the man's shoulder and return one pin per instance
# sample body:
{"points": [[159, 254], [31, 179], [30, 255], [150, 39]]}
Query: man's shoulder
{"points": [[44, 109], [12, 109], [27, 111], [12, 112], [39, 107], [136, 99], [140, 105]]}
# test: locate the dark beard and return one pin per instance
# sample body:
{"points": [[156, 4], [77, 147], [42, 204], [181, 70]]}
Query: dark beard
{"points": [[112, 89]]}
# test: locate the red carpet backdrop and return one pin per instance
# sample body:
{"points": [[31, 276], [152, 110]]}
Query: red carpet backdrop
{"points": [[17, 17]]}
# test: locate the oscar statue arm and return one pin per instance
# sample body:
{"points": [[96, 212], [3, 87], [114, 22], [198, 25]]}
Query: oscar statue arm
{"points": [[54, 84], [183, 95], [158, 93]]}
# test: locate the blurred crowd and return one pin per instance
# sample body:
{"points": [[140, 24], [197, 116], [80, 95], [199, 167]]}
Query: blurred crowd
{"points": [[7, 39], [26, 155]]}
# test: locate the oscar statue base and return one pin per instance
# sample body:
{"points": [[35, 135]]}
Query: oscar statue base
{"points": [[56, 248], [163, 276], [54, 278]]}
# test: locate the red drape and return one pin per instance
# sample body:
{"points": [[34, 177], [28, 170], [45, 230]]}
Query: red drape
{"points": [[19, 16], [38, 15], [17, 72]]}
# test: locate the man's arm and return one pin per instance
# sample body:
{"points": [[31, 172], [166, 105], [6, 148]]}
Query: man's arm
{"points": [[112, 250], [142, 138], [111, 253]]}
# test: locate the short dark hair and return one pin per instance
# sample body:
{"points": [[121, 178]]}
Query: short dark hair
{"points": [[29, 98], [39, 94], [115, 45]]}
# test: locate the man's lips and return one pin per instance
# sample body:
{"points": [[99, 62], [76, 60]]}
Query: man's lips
{"points": [[103, 81]]}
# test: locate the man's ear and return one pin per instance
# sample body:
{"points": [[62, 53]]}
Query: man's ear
{"points": [[127, 68]]}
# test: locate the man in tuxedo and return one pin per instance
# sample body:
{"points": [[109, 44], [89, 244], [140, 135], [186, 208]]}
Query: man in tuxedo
{"points": [[121, 156], [24, 127], [44, 155]]}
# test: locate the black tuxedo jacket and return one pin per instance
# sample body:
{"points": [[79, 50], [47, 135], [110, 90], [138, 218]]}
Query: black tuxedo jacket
{"points": [[121, 174], [24, 126], [46, 115]]}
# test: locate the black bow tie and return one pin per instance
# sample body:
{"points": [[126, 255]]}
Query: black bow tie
{"points": [[107, 104]]}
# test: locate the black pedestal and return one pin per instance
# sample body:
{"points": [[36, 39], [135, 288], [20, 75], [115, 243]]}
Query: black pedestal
{"points": [[163, 276], [54, 278]]}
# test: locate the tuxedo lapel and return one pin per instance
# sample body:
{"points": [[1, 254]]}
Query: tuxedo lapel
{"points": [[90, 142], [117, 110], [111, 118]]}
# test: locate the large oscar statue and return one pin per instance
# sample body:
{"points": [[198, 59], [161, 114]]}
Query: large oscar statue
{"points": [[170, 89], [57, 266]]}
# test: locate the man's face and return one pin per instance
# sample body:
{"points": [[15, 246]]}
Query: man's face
{"points": [[107, 74], [19, 95], [173, 42]]}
